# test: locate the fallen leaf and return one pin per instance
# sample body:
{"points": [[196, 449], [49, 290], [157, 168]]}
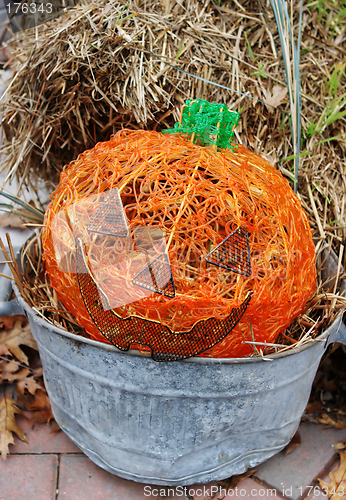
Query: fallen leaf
{"points": [[41, 407], [312, 407], [41, 401], [55, 427], [231, 483], [28, 383], [42, 417], [339, 446], [8, 367], [337, 486], [8, 322], [38, 404], [4, 351], [25, 379], [19, 335], [294, 443], [274, 98], [327, 420], [8, 425], [11, 220]]}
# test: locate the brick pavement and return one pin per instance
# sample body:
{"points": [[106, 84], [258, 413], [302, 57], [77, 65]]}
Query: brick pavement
{"points": [[50, 467]]}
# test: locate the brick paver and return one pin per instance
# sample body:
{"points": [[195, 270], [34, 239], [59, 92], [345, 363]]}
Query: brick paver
{"points": [[28, 477], [317, 493], [31, 471], [291, 474], [249, 488], [80, 479], [42, 440]]}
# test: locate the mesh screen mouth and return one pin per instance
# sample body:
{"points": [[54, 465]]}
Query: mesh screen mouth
{"points": [[233, 253], [165, 344]]}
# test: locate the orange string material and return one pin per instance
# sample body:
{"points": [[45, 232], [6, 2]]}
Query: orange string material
{"points": [[196, 196]]}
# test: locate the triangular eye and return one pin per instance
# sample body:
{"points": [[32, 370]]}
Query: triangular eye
{"points": [[157, 276], [233, 253], [110, 218]]}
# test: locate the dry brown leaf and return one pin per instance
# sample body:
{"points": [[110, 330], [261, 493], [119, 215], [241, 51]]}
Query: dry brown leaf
{"points": [[41, 408], [8, 425], [8, 367], [339, 446], [16, 337], [11, 220], [312, 407], [232, 482], [54, 427], [28, 383], [41, 401], [327, 420], [8, 322], [38, 404], [43, 417], [337, 487], [4, 351], [25, 379], [274, 98]]}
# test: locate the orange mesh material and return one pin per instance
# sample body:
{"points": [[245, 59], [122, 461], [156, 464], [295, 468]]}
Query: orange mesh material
{"points": [[197, 196]]}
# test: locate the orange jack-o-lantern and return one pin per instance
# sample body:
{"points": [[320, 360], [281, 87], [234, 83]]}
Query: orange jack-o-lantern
{"points": [[177, 234]]}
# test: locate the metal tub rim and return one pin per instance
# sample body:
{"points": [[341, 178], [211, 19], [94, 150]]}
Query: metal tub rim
{"points": [[323, 337]]}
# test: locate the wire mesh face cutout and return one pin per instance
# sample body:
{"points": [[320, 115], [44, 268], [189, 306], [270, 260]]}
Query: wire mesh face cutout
{"points": [[165, 345], [127, 265], [157, 277], [233, 253], [110, 217]]}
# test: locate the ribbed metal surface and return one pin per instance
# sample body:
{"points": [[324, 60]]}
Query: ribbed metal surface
{"points": [[175, 423]]}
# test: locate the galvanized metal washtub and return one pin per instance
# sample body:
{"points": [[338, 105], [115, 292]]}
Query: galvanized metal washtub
{"points": [[174, 423]]}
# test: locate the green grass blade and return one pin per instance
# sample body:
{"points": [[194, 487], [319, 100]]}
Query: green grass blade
{"points": [[291, 60], [35, 211]]}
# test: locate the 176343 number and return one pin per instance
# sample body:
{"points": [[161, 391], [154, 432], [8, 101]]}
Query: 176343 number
{"points": [[29, 8]]}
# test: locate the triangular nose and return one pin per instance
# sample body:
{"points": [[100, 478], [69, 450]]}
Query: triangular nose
{"points": [[233, 253], [157, 276], [110, 218]]}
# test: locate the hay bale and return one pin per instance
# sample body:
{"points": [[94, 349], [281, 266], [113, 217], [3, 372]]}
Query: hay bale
{"points": [[92, 71]]}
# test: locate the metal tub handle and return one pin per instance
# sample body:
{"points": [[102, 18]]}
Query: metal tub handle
{"points": [[338, 334], [8, 307]]}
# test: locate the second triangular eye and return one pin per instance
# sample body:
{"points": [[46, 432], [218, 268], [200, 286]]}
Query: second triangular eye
{"points": [[110, 218], [157, 276], [233, 253]]}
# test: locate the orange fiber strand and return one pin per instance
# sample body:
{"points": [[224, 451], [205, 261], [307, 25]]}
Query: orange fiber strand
{"points": [[197, 196]]}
